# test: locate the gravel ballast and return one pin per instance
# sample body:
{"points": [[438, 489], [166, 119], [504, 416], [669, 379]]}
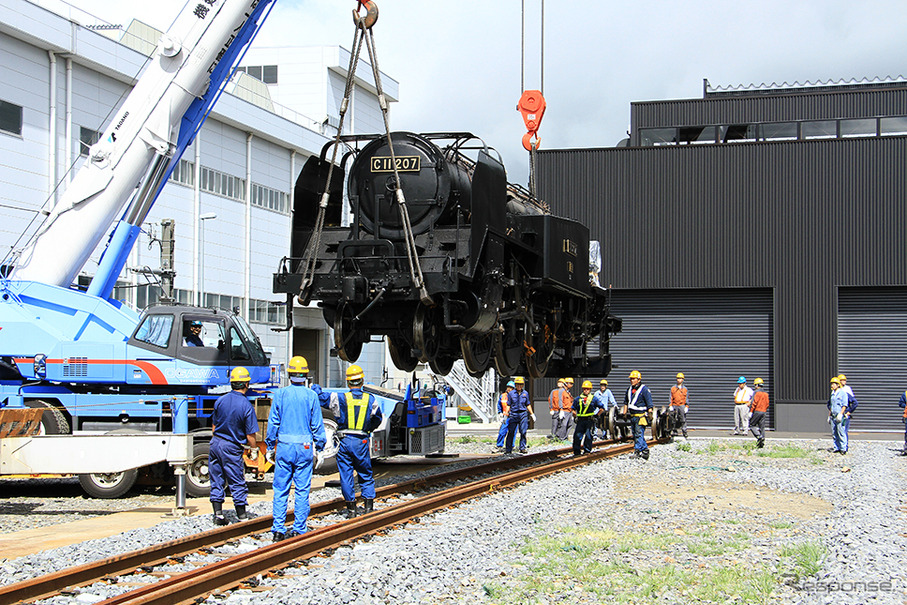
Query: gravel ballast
{"points": [[660, 530]]}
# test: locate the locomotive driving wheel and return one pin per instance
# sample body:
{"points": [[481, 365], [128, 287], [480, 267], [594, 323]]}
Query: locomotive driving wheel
{"points": [[442, 364], [426, 334], [508, 347], [401, 354], [346, 338], [543, 343], [478, 353]]}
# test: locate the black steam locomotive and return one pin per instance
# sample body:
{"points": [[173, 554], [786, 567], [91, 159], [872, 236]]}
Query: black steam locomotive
{"points": [[461, 264]]}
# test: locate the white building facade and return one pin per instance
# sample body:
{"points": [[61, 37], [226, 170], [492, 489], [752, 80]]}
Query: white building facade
{"points": [[231, 195]]}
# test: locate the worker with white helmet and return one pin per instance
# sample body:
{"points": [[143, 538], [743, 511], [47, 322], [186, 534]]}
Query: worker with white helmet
{"points": [[357, 414], [585, 408], [520, 412], [605, 398], [295, 432], [504, 411], [638, 400], [680, 405], [233, 425]]}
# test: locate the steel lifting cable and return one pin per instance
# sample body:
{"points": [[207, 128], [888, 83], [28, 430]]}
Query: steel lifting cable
{"points": [[532, 102], [415, 270], [309, 258]]}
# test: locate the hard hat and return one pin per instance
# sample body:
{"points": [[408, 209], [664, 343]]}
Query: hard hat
{"points": [[742, 379], [196, 323], [240, 374], [298, 365], [561, 380], [758, 381], [603, 381], [680, 375], [518, 380], [635, 374], [510, 383], [354, 372], [587, 384], [835, 380], [842, 377], [568, 380]]}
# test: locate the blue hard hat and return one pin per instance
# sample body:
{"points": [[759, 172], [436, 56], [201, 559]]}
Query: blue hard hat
{"points": [[196, 323], [511, 384], [741, 379]]}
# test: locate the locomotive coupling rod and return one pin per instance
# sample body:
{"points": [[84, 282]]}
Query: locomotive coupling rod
{"points": [[371, 14]]}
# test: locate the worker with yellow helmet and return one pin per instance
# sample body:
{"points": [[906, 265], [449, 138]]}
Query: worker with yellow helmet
{"points": [[841, 405], [233, 425], [679, 406], [759, 411], [520, 412], [295, 433], [605, 399], [585, 408], [357, 414], [560, 404], [638, 400]]}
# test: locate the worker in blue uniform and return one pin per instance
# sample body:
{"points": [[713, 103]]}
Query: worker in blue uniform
{"points": [[638, 401], [357, 414], [295, 432], [585, 408], [193, 336], [233, 425], [504, 411], [520, 411]]}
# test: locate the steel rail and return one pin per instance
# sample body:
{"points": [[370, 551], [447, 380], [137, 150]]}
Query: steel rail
{"points": [[231, 572], [48, 585]]}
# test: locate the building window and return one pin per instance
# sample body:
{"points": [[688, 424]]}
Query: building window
{"points": [[270, 199], [778, 131], [696, 135], [892, 126], [655, 137], [11, 118], [87, 138], [265, 73], [221, 183], [738, 133], [822, 129], [184, 173], [864, 127]]}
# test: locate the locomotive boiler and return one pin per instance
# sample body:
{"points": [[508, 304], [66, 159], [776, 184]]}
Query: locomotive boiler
{"points": [[433, 250]]}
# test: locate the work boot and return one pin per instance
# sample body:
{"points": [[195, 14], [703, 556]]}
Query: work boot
{"points": [[241, 513], [219, 518], [369, 505], [350, 511], [644, 454], [760, 442], [278, 536]]}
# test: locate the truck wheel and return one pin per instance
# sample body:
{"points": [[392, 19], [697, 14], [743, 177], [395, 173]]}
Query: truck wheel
{"points": [[53, 422], [332, 443], [108, 485], [198, 482]]}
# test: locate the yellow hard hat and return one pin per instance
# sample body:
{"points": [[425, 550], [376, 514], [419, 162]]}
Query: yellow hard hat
{"points": [[298, 365], [240, 375], [835, 380], [680, 375], [758, 381], [568, 380], [353, 373], [519, 380], [603, 381], [587, 384], [635, 374], [842, 377]]}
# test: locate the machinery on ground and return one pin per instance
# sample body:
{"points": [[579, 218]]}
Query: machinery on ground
{"points": [[444, 259], [116, 390]]}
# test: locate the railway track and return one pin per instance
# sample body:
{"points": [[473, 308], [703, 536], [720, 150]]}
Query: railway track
{"points": [[233, 571]]}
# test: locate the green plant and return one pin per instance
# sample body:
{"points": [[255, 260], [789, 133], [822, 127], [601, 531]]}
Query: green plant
{"points": [[684, 446], [806, 557]]}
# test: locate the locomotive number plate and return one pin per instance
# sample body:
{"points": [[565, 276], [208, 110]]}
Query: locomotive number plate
{"points": [[405, 163], [570, 247]]}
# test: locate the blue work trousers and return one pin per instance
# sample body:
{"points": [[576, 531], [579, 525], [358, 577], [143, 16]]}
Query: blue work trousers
{"points": [[585, 425], [353, 455], [518, 420], [294, 464], [639, 434], [225, 466], [839, 434], [502, 432]]}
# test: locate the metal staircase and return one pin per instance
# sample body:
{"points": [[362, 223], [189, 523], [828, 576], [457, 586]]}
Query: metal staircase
{"points": [[479, 393]]}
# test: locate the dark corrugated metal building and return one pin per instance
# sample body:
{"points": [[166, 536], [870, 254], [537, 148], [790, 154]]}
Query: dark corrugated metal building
{"points": [[758, 232]]}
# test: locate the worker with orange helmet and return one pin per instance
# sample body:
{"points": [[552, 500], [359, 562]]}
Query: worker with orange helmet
{"points": [[295, 432], [233, 425], [638, 400], [560, 404], [357, 414], [520, 412], [680, 405], [585, 408]]}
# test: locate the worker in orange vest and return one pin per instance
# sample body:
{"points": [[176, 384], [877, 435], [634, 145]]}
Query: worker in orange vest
{"points": [[560, 403], [680, 405], [758, 412]]}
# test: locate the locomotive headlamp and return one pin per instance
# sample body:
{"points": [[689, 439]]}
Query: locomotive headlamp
{"points": [[41, 365]]}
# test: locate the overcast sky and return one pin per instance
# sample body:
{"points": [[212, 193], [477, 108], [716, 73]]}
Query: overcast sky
{"points": [[459, 62]]}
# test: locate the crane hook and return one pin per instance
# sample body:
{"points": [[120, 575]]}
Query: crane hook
{"points": [[371, 14], [532, 107]]}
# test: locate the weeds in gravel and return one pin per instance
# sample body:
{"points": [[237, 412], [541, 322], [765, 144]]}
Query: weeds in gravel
{"points": [[684, 446], [780, 524], [787, 450], [806, 557]]}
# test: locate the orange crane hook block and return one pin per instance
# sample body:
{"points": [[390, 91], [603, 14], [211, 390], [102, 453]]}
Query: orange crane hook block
{"points": [[371, 15], [532, 106]]}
